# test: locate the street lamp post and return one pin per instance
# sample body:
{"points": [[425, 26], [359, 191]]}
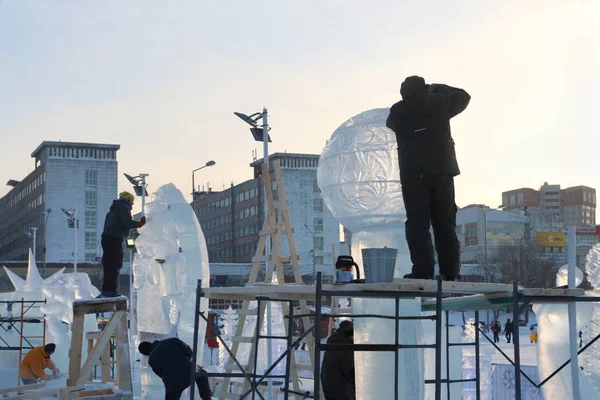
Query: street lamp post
{"points": [[208, 164], [33, 238], [73, 222], [47, 214], [313, 233], [263, 135]]}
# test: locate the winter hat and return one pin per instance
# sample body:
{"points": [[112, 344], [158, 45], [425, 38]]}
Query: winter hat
{"points": [[347, 327], [49, 348], [145, 348], [126, 195], [413, 86]]}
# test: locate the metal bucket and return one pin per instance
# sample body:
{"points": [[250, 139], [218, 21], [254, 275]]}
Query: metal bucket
{"points": [[379, 264]]}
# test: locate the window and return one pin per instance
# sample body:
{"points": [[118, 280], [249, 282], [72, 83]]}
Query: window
{"points": [[318, 259], [316, 188], [91, 199], [90, 219], [512, 199], [90, 240], [90, 257], [318, 205], [318, 242], [471, 234]]}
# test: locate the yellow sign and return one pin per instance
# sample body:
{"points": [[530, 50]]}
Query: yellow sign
{"points": [[551, 239]]}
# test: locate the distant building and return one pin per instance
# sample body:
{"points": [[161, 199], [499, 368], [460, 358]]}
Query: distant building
{"points": [[232, 219], [81, 176], [551, 207]]}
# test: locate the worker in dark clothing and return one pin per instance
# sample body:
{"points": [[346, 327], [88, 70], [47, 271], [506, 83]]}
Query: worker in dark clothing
{"points": [[117, 225], [337, 372], [421, 122], [508, 330], [171, 360]]}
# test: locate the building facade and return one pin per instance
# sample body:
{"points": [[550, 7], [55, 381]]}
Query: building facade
{"points": [[232, 219], [551, 207], [80, 177]]}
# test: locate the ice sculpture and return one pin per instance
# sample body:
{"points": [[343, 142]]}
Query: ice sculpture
{"points": [[591, 357], [59, 291], [171, 257], [562, 276], [359, 177], [553, 346]]}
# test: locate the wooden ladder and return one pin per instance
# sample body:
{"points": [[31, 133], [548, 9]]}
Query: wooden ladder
{"points": [[274, 228]]}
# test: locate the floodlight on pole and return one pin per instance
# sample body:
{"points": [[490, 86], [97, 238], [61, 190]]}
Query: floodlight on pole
{"points": [[73, 222], [259, 135], [207, 164]]}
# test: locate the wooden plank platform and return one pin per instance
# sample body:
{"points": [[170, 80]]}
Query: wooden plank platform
{"points": [[304, 292], [81, 307], [497, 300]]}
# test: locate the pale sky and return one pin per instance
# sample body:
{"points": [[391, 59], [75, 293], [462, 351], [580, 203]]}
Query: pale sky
{"points": [[163, 78]]}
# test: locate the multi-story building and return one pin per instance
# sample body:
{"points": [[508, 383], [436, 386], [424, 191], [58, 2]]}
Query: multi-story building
{"points": [[232, 219], [553, 208], [71, 176]]}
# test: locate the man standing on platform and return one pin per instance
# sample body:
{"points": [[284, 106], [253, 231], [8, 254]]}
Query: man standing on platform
{"points": [[421, 122], [117, 225]]}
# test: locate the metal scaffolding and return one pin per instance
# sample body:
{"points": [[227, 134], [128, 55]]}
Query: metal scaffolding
{"points": [[492, 296]]}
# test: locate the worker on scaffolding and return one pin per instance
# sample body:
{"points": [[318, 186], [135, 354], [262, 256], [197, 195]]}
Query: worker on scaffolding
{"points": [[117, 225], [337, 373], [171, 360], [35, 362]]}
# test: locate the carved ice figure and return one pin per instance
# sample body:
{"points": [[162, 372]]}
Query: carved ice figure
{"points": [[591, 357], [59, 291], [553, 344], [171, 257], [359, 177]]}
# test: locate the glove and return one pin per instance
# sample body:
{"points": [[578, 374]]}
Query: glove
{"points": [[142, 221]]}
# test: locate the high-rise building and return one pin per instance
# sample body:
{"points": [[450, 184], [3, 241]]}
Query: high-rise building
{"points": [[70, 176], [232, 219]]}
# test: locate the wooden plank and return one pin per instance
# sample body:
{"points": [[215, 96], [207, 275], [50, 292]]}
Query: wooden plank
{"points": [[267, 232], [543, 292], [44, 393], [21, 388], [473, 302], [75, 350], [81, 307], [99, 347], [124, 379], [96, 392], [261, 258]]}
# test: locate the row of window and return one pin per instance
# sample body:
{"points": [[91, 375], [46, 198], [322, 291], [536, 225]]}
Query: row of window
{"points": [[76, 152], [247, 248], [91, 199], [18, 234], [299, 162], [17, 197], [226, 219], [22, 212]]}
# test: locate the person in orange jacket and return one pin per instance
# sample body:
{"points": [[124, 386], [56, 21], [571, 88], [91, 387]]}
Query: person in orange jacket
{"points": [[36, 360]]}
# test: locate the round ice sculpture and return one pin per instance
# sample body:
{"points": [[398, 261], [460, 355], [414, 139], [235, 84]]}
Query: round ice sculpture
{"points": [[562, 276], [359, 178], [358, 173]]}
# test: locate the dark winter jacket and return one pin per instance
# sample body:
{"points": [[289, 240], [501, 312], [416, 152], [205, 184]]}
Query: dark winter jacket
{"points": [[421, 122], [508, 327], [118, 220], [337, 371], [171, 359]]}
